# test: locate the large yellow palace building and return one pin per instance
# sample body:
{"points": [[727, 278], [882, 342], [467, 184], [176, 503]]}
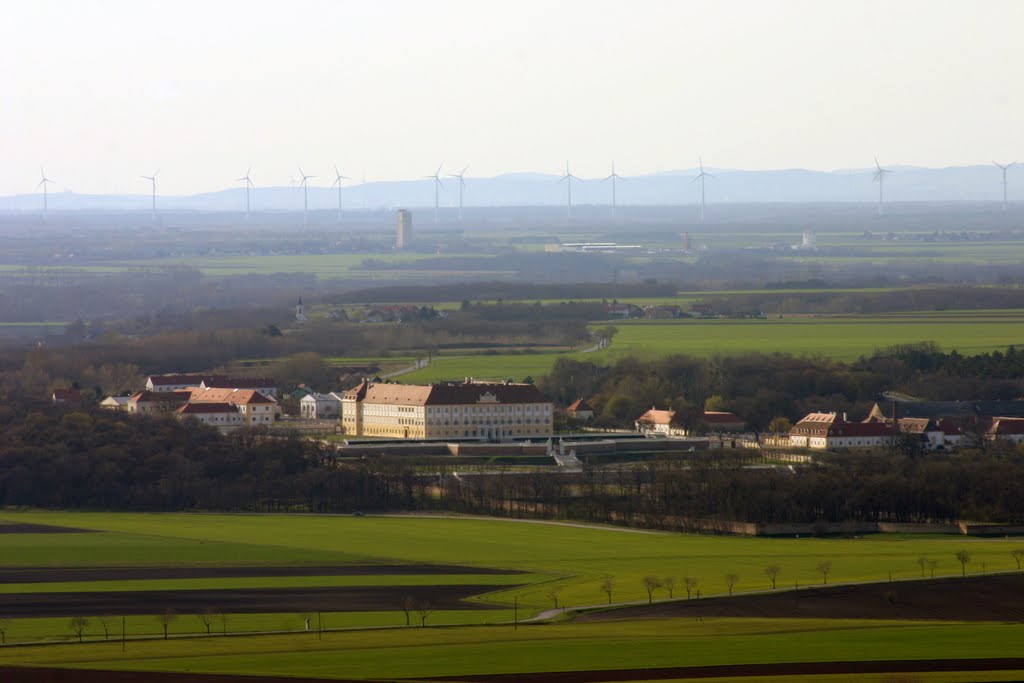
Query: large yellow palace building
{"points": [[491, 410]]}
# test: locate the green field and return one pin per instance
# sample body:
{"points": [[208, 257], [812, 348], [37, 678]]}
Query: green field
{"points": [[564, 560], [564, 647], [842, 338], [582, 555], [838, 337]]}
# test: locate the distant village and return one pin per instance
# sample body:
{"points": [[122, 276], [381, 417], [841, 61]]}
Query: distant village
{"points": [[507, 411]]}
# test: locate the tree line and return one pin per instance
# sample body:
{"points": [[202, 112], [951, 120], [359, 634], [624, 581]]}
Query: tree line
{"points": [[55, 457], [760, 388]]}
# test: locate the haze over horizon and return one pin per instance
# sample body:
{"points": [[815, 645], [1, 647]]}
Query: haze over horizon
{"points": [[393, 88]]}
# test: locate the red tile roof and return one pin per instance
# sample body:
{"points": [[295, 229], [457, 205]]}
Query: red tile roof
{"points": [[206, 408], [842, 428], [449, 393], [238, 382], [146, 396], [235, 396], [69, 395], [192, 380], [657, 417], [1007, 426], [579, 405]]}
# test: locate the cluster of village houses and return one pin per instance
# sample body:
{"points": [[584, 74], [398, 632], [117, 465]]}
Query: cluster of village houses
{"points": [[509, 410]]}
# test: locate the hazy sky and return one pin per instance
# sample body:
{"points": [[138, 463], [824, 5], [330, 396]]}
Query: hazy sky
{"points": [[103, 91]]}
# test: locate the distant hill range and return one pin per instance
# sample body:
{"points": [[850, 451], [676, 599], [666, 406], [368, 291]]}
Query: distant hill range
{"points": [[904, 184]]}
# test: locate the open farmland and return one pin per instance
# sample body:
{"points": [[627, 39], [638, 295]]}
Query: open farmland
{"points": [[842, 338], [618, 651], [165, 559], [839, 337], [573, 559]]}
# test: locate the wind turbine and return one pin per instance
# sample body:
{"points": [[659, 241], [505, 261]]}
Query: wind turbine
{"points": [[880, 179], [305, 195], [437, 184], [45, 181], [248, 184], [1001, 166], [337, 181], [568, 178], [462, 185], [701, 176], [152, 179], [613, 177]]}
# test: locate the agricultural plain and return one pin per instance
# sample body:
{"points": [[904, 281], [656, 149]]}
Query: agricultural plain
{"points": [[511, 570], [843, 338]]}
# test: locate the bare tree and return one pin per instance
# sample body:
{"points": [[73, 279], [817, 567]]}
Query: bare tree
{"points": [[408, 605], [78, 625], [105, 623], [922, 562], [669, 582], [963, 557], [5, 623], [730, 581], [651, 584], [772, 571], [1018, 555], [165, 618], [207, 617], [553, 593], [825, 566], [607, 586], [424, 608], [690, 583], [932, 564]]}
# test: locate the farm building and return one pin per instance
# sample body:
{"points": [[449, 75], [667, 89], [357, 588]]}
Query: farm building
{"points": [[660, 422], [827, 431], [580, 410], [655, 421], [66, 396], [1006, 429], [489, 410]]}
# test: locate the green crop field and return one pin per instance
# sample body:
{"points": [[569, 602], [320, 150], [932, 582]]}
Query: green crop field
{"points": [[560, 560], [839, 337], [420, 653], [582, 555]]}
